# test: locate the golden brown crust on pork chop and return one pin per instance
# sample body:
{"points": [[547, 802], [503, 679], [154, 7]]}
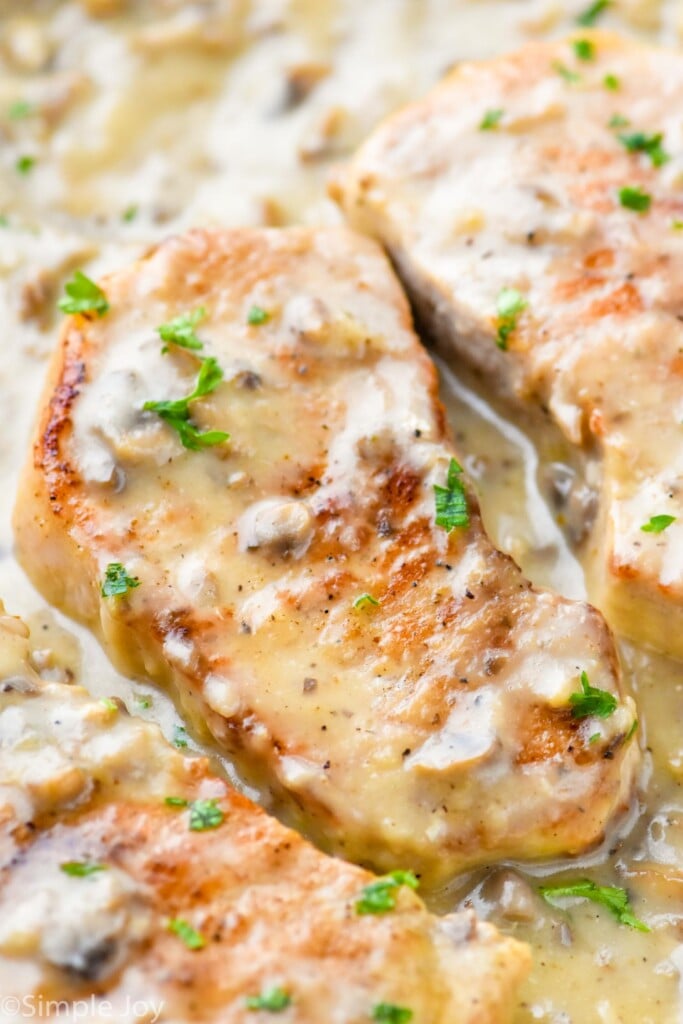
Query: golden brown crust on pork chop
{"points": [[85, 784], [572, 197], [432, 729]]}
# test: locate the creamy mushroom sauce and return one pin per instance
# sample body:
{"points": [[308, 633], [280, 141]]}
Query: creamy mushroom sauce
{"points": [[146, 117]]}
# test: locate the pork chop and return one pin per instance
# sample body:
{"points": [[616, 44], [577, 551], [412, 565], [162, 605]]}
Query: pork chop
{"points": [[533, 207], [131, 874], [396, 682]]}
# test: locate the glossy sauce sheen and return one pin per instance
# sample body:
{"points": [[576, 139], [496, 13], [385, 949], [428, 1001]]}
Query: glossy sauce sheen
{"points": [[245, 113]]}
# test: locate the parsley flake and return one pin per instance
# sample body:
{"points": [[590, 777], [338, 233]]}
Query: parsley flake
{"points": [[651, 145], [451, 500], [117, 581], [176, 413], [565, 72], [365, 599], [204, 815], [611, 896], [677, 225], [176, 801], [193, 939], [180, 736], [130, 213], [633, 730], [273, 1000], [618, 121], [81, 868], [591, 701], [109, 704], [83, 296], [380, 896], [19, 110], [509, 304], [612, 82], [584, 49], [657, 524], [491, 119], [391, 1014], [632, 197], [143, 701], [595, 737], [25, 164], [592, 13], [180, 331], [257, 316]]}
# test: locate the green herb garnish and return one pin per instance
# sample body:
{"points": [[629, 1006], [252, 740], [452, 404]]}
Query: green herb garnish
{"points": [[584, 49], [611, 896], [611, 82], [591, 701], [257, 316], [391, 1014], [632, 197], [176, 801], [180, 331], [21, 109], [273, 1000], [491, 119], [658, 523], [592, 13], [25, 164], [109, 704], [179, 736], [83, 296], [380, 896], [509, 304], [639, 142], [117, 581], [204, 815], [565, 72], [130, 213], [177, 412], [81, 868], [618, 121], [451, 500], [365, 599], [186, 933]]}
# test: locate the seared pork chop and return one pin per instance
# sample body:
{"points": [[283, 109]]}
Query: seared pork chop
{"points": [[397, 682], [533, 206], [132, 874]]}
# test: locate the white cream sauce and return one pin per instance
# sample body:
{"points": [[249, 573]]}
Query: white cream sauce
{"points": [[149, 117]]}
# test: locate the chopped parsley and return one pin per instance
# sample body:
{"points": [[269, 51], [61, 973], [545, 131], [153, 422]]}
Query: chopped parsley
{"points": [[204, 815], [21, 109], [143, 701], [25, 164], [257, 316], [391, 1014], [618, 121], [611, 82], [186, 933], [595, 737], [657, 524], [176, 413], [633, 730], [83, 296], [180, 736], [365, 599], [565, 72], [109, 704], [677, 225], [591, 701], [117, 581], [380, 896], [491, 119], [632, 197], [611, 896], [4, 222], [451, 500], [81, 868], [180, 331], [509, 304], [130, 213], [176, 801], [584, 49], [273, 1000], [639, 142], [592, 13]]}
